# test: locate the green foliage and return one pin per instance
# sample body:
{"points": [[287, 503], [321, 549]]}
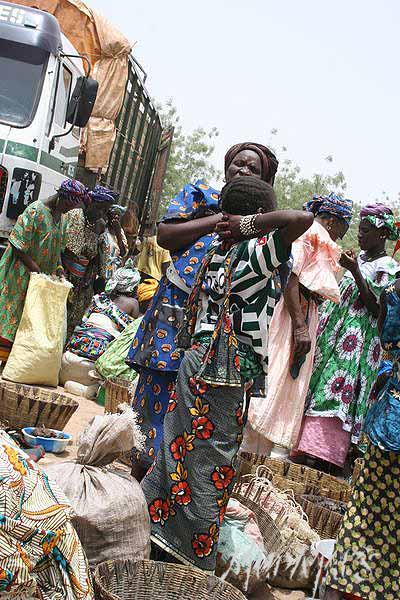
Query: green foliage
{"points": [[293, 190], [190, 157]]}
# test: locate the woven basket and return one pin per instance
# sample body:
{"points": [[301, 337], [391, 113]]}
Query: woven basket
{"points": [[117, 392], [308, 480], [149, 580], [29, 406], [273, 543], [325, 521]]}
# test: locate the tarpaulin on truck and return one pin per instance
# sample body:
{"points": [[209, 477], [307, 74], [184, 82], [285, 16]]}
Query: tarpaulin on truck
{"points": [[108, 50]]}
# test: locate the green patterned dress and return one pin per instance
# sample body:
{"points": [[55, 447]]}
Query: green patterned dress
{"points": [[37, 234], [348, 351]]}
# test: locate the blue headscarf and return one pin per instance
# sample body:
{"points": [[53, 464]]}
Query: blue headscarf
{"points": [[74, 191], [103, 194], [333, 204]]}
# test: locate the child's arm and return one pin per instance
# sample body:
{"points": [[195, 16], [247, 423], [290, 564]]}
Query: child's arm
{"points": [[291, 224]]}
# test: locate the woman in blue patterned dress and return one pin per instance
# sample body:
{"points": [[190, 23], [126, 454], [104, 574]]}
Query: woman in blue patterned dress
{"points": [[187, 231]]}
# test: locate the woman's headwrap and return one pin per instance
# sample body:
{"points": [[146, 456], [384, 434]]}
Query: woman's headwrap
{"points": [[147, 289], [125, 279], [381, 216], [121, 210], [73, 191], [269, 162], [334, 205], [102, 194]]}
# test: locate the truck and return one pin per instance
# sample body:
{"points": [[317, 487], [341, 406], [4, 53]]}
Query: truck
{"points": [[46, 98]]}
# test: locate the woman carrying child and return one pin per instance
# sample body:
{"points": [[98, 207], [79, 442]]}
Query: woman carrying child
{"points": [[190, 483]]}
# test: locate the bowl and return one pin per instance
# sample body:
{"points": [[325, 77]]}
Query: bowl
{"points": [[54, 445]]}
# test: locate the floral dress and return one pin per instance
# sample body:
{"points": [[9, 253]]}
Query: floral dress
{"points": [[348, 351], [189, 485], [81, 265], [153, 352], [40, 236]]}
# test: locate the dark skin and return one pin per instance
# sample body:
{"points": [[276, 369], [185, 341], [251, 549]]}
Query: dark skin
{"points": [[58, 206], [291, 223], [115, 226], [175, 235], [128, 304], [372, 241], [301, 336]]}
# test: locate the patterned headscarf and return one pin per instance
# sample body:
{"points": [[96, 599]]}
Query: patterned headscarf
{"points": [[73, 191], [381, 216], [103, 194], [125, 279], [147, 289], [269, 162], [333, 204]]}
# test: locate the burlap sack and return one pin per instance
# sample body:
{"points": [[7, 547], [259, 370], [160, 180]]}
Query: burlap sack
{"points": [[111, 515]]}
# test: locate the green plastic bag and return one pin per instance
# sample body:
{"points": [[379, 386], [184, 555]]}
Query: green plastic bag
{"points": [[111, 365]]}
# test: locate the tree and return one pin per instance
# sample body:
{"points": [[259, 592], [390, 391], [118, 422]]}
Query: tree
{"points": [[293, 190], [190, 157]]}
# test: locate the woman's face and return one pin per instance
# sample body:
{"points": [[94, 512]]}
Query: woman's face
{"points": [[369, 236], [66, 205], [98, 210], [246, 163], [336, 228]]}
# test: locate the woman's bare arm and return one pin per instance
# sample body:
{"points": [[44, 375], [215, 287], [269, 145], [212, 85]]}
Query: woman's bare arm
{"points": [[26, 259], [175, 235]]}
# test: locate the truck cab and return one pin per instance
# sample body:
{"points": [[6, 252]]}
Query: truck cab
{"points": [[39, 71]]}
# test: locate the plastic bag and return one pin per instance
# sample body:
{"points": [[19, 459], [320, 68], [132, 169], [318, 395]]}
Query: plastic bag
{"points": [[240, 561], [111, 516], [35, 358]]}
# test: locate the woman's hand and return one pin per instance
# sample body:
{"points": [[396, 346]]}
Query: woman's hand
{"points": [[302, 343], [348, 261], [228, 228]]}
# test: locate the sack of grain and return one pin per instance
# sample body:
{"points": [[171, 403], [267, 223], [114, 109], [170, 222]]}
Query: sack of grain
{"points": [[111, 515]]}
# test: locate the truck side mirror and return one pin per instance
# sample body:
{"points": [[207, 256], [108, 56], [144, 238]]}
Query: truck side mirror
{"points": [[82, 101]]}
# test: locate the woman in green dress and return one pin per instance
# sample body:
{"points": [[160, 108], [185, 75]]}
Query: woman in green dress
{"points": [[35, 246], [348, 350]]}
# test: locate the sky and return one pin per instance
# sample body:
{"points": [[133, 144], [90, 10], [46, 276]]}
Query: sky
{"points": [[324, 73]]}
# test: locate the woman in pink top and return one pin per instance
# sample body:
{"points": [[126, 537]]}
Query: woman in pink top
{"points": [[276, 419]]}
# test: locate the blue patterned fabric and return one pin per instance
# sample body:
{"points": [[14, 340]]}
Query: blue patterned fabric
{"points": [[333, 204], [153, 352], [154, 392], [382, 424], [154, 345]]}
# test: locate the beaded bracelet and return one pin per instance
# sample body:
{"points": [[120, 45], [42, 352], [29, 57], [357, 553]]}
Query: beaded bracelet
{"points": [[248, 227]]}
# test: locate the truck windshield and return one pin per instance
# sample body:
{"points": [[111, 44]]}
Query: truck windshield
{"points": [[22, 70]]}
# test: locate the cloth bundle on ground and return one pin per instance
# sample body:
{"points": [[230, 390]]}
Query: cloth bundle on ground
{"points": [[111, 515], [40, 553], [35, 358], [102, 323]]}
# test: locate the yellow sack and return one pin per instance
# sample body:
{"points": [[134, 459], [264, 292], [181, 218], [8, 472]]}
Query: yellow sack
{"points": [[35, 358]]}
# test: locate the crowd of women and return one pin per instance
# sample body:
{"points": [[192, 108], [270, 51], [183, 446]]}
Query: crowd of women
{"points": [[253, 298]]}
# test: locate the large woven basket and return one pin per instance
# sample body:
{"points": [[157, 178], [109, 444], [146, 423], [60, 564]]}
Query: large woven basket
{"points": [[149, 580], [29, 406], [273, 542], [325, 521], [299, 478], [117, 392]]}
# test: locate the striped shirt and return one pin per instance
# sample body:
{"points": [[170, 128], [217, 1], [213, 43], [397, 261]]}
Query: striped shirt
{"points": [[253, 294]]}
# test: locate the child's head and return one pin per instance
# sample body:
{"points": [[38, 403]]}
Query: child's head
{"points": [[247, 196]]}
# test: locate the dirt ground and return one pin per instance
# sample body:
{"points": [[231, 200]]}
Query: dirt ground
{"points": [[86, 411]]}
